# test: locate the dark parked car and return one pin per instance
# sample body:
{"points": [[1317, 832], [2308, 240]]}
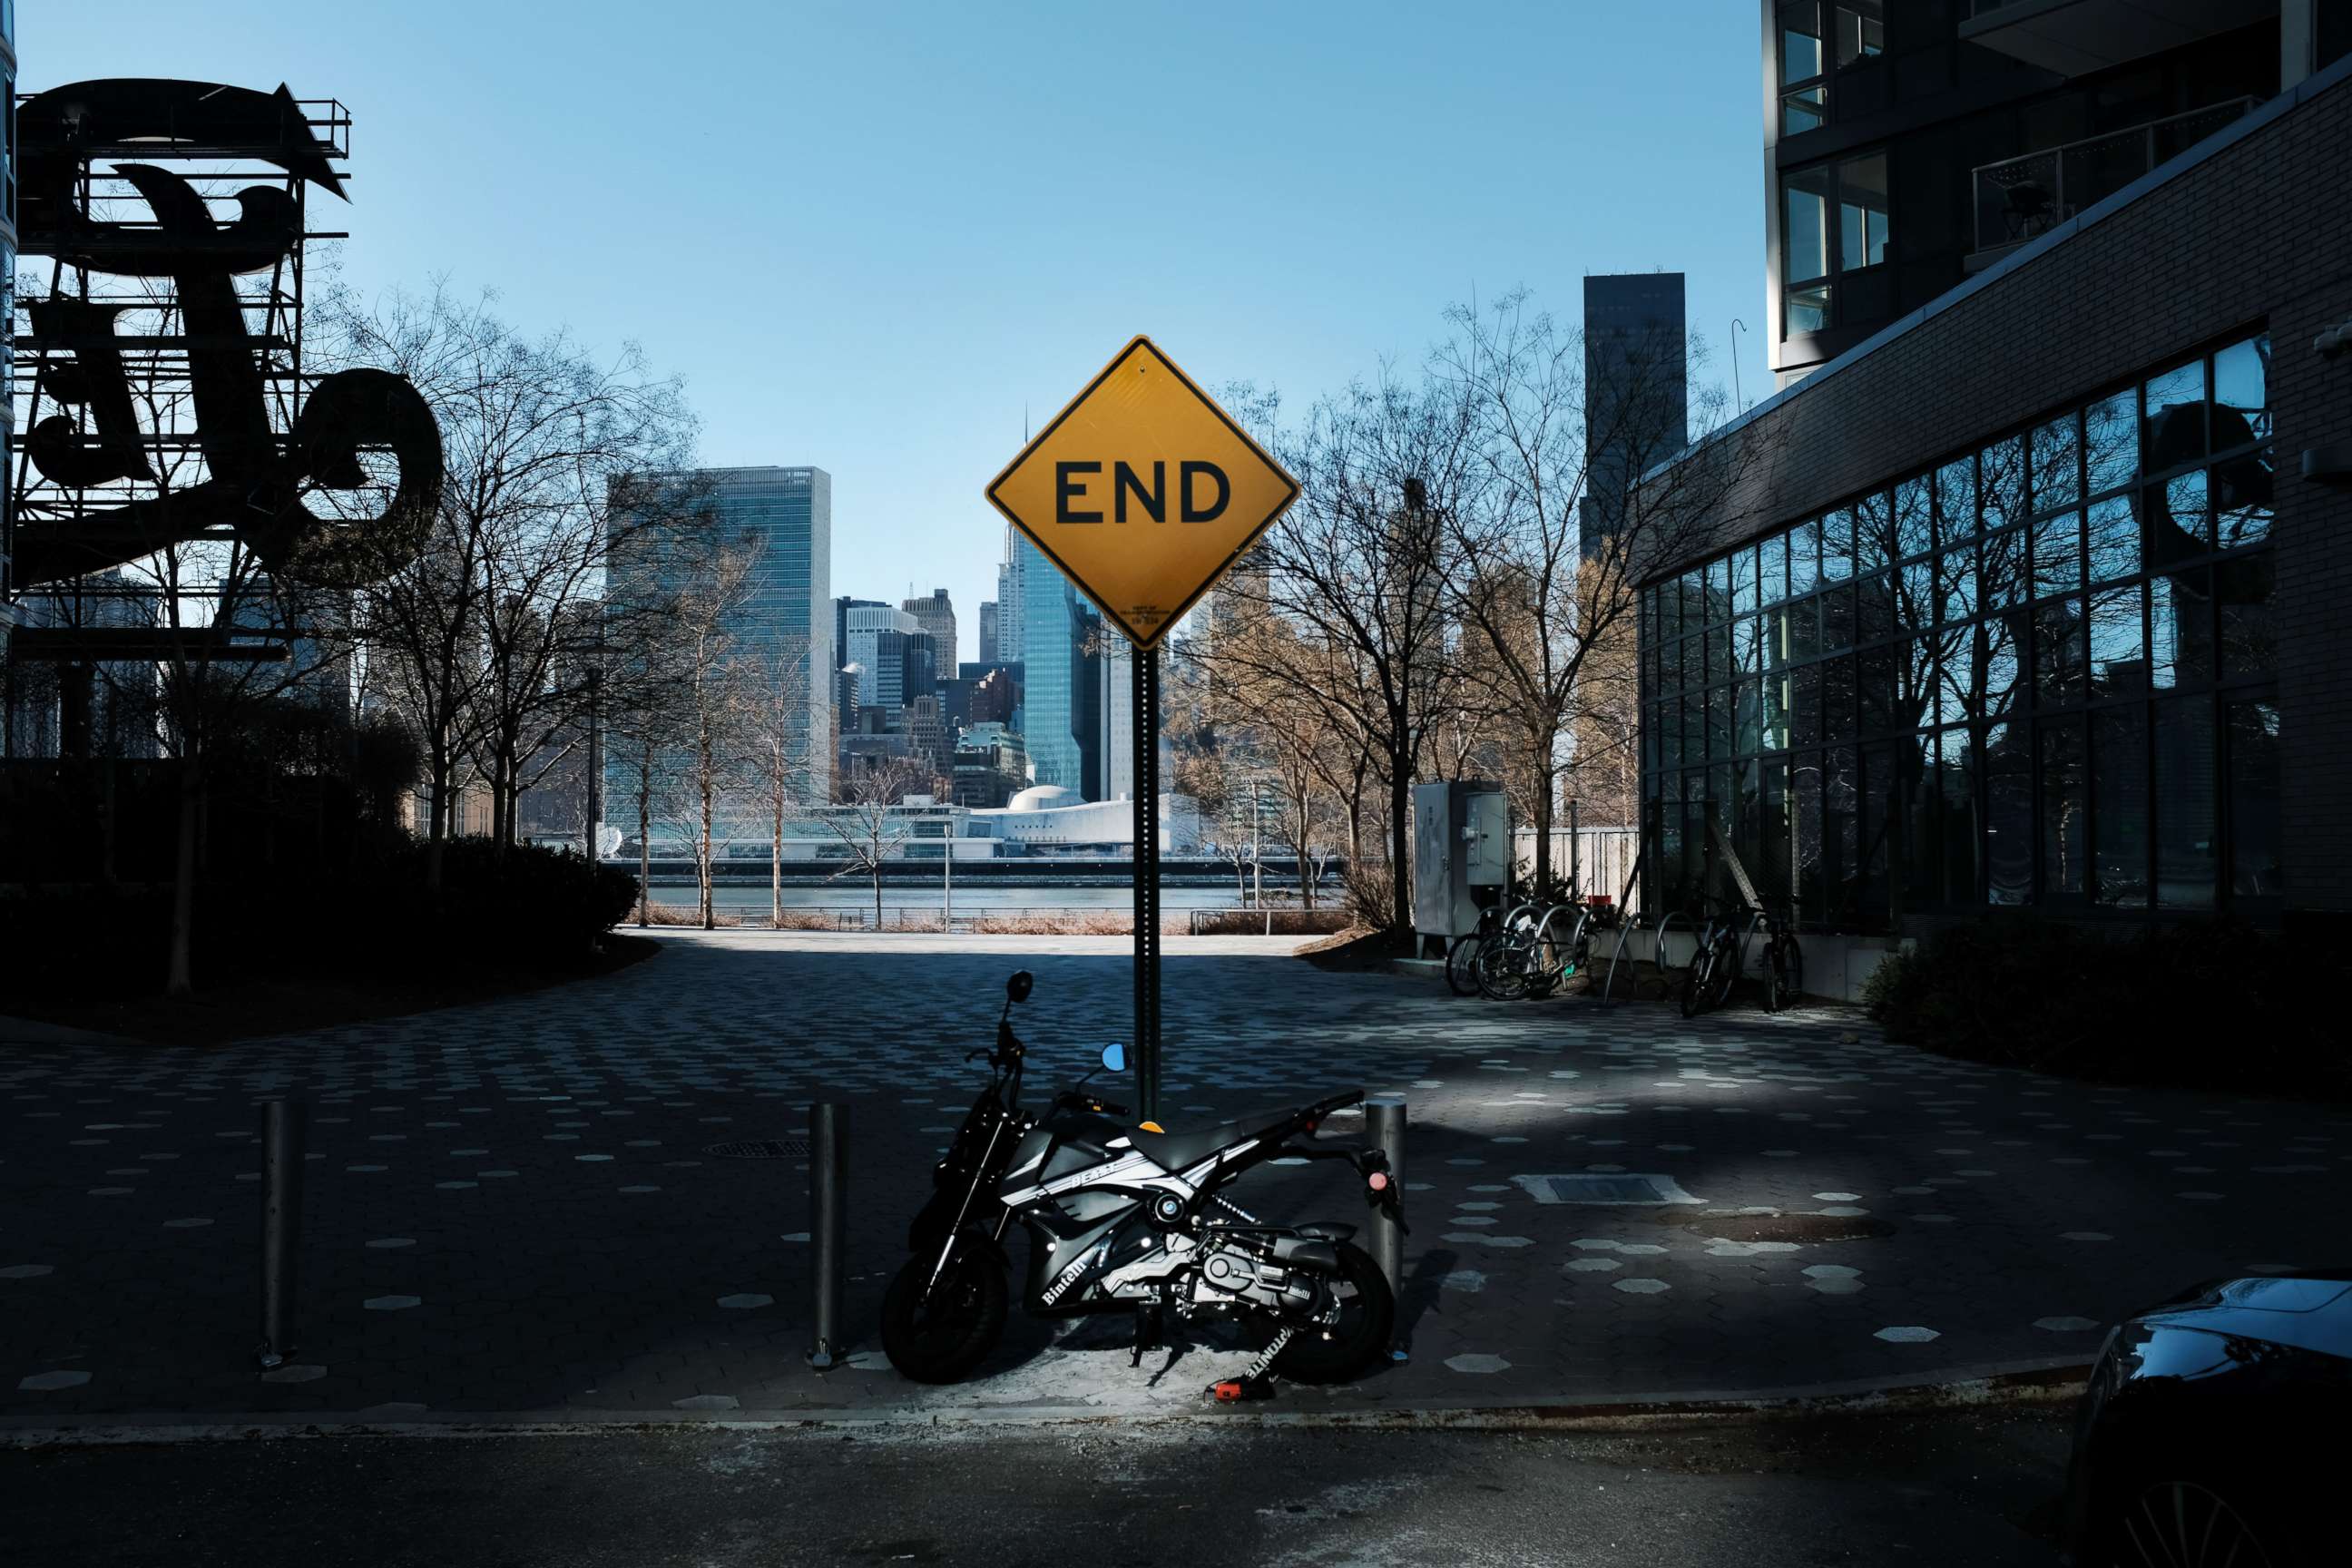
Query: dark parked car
{"points": [[2215, 1428]]}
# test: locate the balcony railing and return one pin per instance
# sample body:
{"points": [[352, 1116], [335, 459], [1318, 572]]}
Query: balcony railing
{"points": [[2022, 197]]}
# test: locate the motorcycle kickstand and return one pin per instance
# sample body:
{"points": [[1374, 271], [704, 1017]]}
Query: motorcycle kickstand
{"points": [[1147, 1331]]}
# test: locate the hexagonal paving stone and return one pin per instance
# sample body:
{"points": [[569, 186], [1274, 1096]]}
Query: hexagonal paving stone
{"points": [[745, 1303], [1911, 1335], [2064, 1325], [1476, 1362], [1640, 1287], [392, 1303]]}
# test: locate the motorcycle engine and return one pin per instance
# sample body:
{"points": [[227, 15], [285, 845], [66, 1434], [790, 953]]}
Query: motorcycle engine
{"points": [[1228, 1273]]}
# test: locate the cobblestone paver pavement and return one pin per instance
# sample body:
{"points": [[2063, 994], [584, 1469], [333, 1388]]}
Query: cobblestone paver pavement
{"points": [[511, 1208]]}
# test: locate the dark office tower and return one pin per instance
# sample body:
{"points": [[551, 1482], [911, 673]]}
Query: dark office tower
{"points": [[1908, 146], [1637, 391], [987, 632]]}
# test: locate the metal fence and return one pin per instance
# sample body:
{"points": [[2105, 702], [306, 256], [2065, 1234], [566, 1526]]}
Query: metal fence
{"points": [[1597, 860]]}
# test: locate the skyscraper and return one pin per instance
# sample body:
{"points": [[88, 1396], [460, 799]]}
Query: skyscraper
{"points": [[936, 615], [1051, 623], [988, 635], [786, 513], [877, 645], [1637, 390]]}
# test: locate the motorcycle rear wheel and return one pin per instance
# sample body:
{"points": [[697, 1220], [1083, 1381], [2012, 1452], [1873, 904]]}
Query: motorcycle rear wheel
{"points": [[942, 1340], [1367, 1324]]}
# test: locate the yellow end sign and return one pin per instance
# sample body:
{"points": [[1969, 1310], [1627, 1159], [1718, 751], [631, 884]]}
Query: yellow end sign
{"points": [[1142, 492]]}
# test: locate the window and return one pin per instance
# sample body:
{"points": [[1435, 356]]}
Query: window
{"points": [[2255, 882], [1861, 31], [1862, 209], [1835, 218], [2119, 806], [2042, 671], [1805, 241], [2185, 860], [1804, 97]]}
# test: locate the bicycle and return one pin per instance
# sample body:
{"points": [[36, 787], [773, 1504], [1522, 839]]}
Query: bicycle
{"points": [[1532, 961], [1722, 955], [1461, 956]]}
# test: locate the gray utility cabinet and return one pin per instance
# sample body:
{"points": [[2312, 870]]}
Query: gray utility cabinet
{"points": [[1461, 854]]}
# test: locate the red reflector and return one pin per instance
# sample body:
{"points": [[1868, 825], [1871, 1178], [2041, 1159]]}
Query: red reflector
{"points": [[1227, 1392], [1379, 1181], [1311, 1126]]}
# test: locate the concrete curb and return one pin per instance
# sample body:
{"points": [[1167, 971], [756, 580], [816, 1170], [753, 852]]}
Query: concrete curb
{"points": [[2046, 1381]]}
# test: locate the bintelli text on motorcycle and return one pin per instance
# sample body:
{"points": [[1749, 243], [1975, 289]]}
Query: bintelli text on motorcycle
{"points": [[1132, 1217]]}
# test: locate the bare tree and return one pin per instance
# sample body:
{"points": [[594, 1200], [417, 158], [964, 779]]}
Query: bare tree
{"points": [[718, 575], [777, 730], [482, 640], [867, 825], [1346, 603], [1548, 540]]}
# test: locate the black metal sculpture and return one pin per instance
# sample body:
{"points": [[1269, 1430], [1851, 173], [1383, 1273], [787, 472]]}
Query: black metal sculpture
{"points": [[259, 474]]}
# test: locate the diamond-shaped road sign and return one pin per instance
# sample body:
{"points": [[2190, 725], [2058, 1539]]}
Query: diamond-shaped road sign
{"points": [[1142, 492]]}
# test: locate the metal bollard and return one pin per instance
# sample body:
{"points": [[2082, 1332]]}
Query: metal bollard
{"points": [[828, 1188], [281, 1227], [1384, 1125]]}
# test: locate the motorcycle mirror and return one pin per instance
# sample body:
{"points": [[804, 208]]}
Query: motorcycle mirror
{"points": [[1017, 988], [1114, 1057]]}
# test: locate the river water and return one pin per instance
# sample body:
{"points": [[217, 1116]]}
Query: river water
{"points": [[918, 899]]}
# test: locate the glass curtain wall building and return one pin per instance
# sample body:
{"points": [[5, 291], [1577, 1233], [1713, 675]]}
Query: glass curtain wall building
{"points": [[1053, 711], [2042, 671], [787, 617]]}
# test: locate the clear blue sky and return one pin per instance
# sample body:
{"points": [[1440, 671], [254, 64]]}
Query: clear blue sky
{"points": [[870, 236]]}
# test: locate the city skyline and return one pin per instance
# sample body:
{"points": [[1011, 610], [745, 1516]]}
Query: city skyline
{"points": [[918, 317]]}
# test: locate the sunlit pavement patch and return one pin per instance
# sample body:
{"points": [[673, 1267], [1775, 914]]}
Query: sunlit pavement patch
{"points": [[1911, 1335], [51, 1381]]}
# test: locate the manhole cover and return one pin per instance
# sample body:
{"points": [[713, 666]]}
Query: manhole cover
{"points": [[1619, 1189], [1721, 1226], [762, 1149]]}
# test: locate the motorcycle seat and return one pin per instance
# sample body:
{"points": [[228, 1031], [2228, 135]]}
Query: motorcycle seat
{"points": [[1177, 1151]]}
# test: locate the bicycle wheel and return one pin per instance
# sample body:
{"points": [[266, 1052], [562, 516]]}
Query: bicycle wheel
{"points": [[1461, 964], [1776, 994], [1697, 981], [1502, 970], [1725, 973]]}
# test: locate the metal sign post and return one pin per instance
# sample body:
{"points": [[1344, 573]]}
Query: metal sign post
{"points": [[1143, 492], [1146, 664]]}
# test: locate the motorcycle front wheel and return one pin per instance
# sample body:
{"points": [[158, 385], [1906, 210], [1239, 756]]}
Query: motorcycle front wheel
{"points": [[1366, 1326], [941, 1339]]}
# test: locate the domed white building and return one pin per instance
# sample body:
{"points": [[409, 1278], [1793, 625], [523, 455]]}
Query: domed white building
{"points": [[1048, 817], [1044, 797]]}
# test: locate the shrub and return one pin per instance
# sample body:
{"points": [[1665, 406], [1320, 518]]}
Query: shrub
{"points": [[2208, 1002], [529, 909]]}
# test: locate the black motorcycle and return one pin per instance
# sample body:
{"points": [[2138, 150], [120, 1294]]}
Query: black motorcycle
{"points": [[1131, 1218]]}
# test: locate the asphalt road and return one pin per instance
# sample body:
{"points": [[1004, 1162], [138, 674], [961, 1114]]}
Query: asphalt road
{"points": [[1973, 1487]]}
